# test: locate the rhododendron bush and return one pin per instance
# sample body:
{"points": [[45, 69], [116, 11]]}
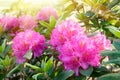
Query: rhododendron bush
{"points": [[80, 42]]}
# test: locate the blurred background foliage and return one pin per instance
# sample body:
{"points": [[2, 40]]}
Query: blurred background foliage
{"points": [[21, 7], [103, 15]]}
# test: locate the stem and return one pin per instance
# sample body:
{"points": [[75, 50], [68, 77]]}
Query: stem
{"points": [[88, 78], [55, 65], [47, 77], [93, 78]]}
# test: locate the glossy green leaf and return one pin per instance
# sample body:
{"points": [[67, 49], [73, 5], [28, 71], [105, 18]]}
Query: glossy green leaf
{"points": [[42, 64], [33, 67], [2, 47], [1, 66], [95, 1], [111, 54], [48, 64], [63, 16], [114, 31], [87, 72], [99, 71], [71, 7], [81, 16], [13, 70], [113, 22], [111, 76], [103, 1], [0, 29], [80, 77], [89, 14], [7, 49], [64, 75], [113, 3], [44, 24], [51, 71], [116, 43], [7, 61], [114, 61], [52, 22], [40, 75], [89, 2], [2, 76]]}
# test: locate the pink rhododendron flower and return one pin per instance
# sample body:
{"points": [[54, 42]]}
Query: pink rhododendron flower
{"points": [[27, 22], [70, 57], [28, 40], [101, 42], [46, 12], [78, 54], [65, 32], [8, 22], [76, 49], [90, 56]]}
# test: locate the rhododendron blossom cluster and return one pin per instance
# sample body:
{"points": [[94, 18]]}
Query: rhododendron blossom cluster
{"points": [[46, 12], [23, 22], [77, 50], [27, 22], [9, 22], [28, 40]]}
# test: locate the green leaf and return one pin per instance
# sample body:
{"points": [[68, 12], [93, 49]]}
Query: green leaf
{"points": [[89, 14], [64, 75], [1, 60], [13, 70], [34, 67], [89, 2], [80, 77], [113, 22], [51, 71], [2, 76], [116, 43], [7, 49], [113, 3], [71, 7], [44, 24], [1, 29], [111, 54], [42, 64], [28, 55], [115, 61], [63, 16], [95, 22], [48, 64], [7, 61], [52, 22], [40, 75], [2, 47], [99, 71], [81, 16], [103, 1], [87, 72], [114, 31], [1, 67], [111, 76]]}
